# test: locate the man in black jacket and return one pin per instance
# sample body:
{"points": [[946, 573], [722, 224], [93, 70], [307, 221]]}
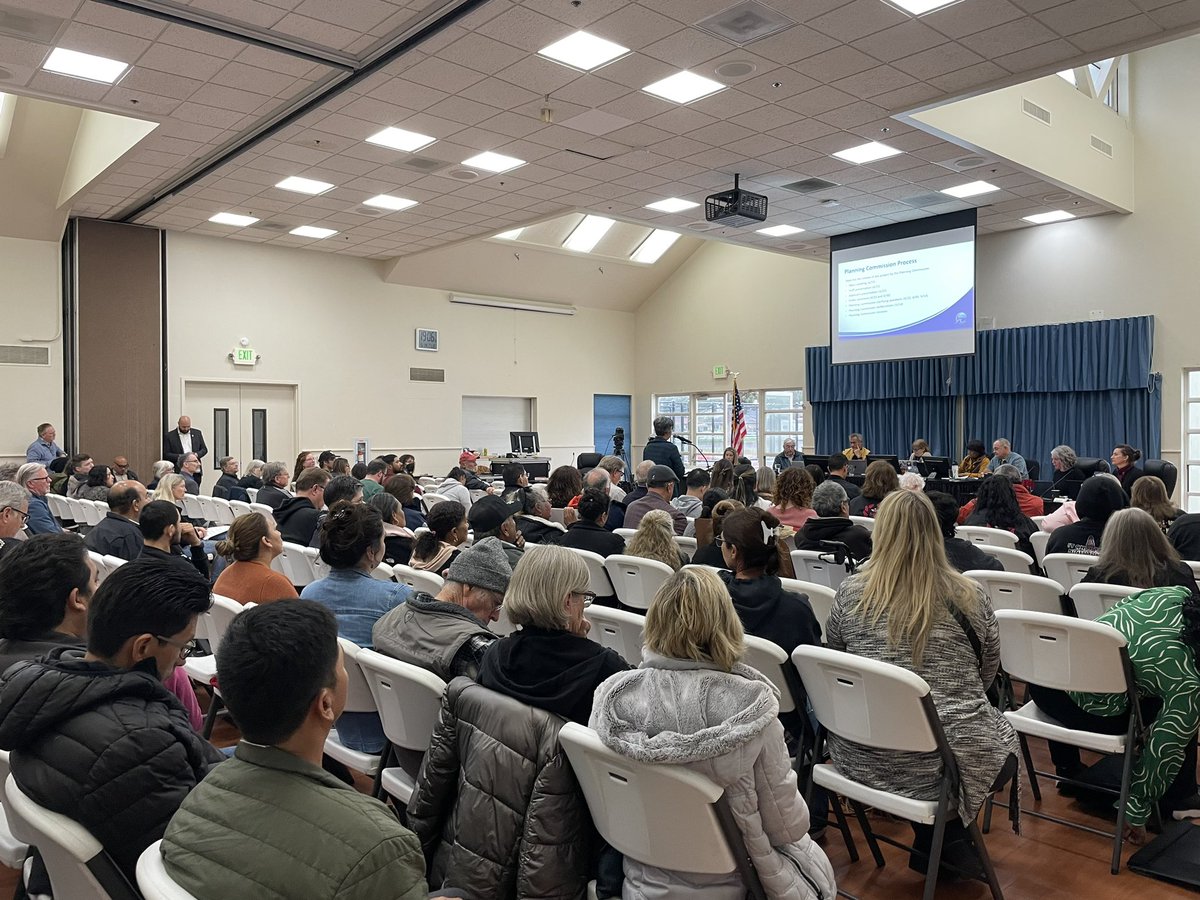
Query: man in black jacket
{"points": [[839, 470], [662, 452], [833, 523], [227, 485], [97, 737], [1099, 497], [118, 533], [46, 584], [297, 518], [183, 440], [276, 476]]}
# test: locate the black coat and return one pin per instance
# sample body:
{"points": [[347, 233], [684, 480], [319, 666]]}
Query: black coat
{"points": [[173, 446], [1184, 535], [116, 536], [768, 611], [590, 536], [297, 519], [835, 528], [664, 453], [230, 488], [965, 556], [273, 497]]}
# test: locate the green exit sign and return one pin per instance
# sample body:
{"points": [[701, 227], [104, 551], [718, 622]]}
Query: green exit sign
{"points": [[720, 371], [244, 356]]}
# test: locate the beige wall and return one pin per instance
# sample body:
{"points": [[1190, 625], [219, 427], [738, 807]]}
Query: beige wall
{"points": [[333, 325]]}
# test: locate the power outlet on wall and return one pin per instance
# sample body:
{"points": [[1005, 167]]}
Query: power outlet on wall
{"points": [[1095, 314]]}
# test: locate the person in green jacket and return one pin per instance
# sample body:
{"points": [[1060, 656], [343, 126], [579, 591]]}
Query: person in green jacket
{"points": [[270, 822]]}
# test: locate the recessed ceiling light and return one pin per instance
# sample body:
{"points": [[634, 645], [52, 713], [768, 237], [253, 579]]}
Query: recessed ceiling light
{"points": [[84, 65], [672, 205], [304, 185], [1058, 215], [587, 234], [311, 231], [583, 51], [509, 235], [684, 87], [233, 219], [920, 7], [387, 201], [974, 189], [399, 139], [654, 246], [869, 152], [493, 162], [780, 230]]}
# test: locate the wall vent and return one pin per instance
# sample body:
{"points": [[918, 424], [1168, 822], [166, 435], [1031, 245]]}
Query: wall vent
{"points": [[20, 355], [435, 375], [1034, 111], [1102, 146], [985, 323]]}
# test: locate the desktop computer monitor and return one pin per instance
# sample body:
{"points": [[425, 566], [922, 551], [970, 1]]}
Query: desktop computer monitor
{"points": [[524, 442], [893, 460], [936, 466]]}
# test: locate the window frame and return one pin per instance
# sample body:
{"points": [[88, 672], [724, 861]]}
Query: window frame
{"points": [[756, 433]]}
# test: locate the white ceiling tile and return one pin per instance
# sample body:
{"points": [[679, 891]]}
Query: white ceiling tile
{"points": [[207, 115], [1115, 33], [906, 98], [1177, 15], [958, 19], [857, 19], [538, 75], [1039, 57], [839, 62], [687, 49], [873, 82], [794, 44], [789, 81], [526, 29], [765, 118], [102, 42], [441, 75], [727, 104], [681, 120], [971, 76], [817, 101], [635, 26], [481, 53], [900, 41], [315, 30], [852, 114], [938, 61], [1080, 15], [249, 78], [1009, 38], [462, 110]]}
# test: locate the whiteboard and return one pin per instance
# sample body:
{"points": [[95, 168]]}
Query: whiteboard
{"points": [[486, 421]]}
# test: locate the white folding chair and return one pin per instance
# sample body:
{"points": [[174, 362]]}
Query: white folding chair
{"points": [[772, 661], [818, 570], [1068, 569], [359, 699], [78, 514], [252, 493], [1070, 654], [659, 815], [409, 700], [264, 510], [383, 572], [1039, 540], [865, 521], [112, 563], [102, 506], [687, 544], [598, 581], [429, 501], [503, 625], [224, 510], [979, 534], [618, 630], [1094, 600], [296, 565], [78, 867], [558, 514], [1013, 560], [203, 669], [193, 508], [418, 579], [240, 508], [820, 597], [152, 877], [1037, 520], [626, 533], [59, 508], [1194, 566], [91, 512], [101, 566], [636, 580], [1014, 590], [212, 511], [318, 566], [12, 850], [879, 705]]}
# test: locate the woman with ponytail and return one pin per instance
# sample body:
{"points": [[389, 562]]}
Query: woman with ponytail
{"points": [[250, 544], [438, 546]]}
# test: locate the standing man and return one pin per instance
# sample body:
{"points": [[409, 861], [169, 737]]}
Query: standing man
{"points": [[184, 439], [35, 479], [661, 451], [789, 457], [44, 450], [1002, 455]]}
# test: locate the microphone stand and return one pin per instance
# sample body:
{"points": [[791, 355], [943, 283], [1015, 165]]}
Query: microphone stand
{"points": [[684, 440]]}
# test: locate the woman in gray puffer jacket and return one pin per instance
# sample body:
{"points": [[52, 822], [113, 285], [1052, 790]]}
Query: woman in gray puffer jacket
{"points": [[693, 704]]}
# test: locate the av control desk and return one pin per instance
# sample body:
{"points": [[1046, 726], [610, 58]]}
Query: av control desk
{"points": [[535, 466]]}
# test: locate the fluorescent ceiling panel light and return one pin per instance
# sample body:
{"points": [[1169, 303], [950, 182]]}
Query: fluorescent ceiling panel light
{"points": [[684, 87], [311, 231], [1058, 215], [509, 235], [399, 139], [493, 162], [304, 185], [233, 219], [583, 51], [974, 189], [387, 201], [920, 7], [587, 234], [84, 65], [780, 230], [672, 205], [654, 246], [869, 152]]}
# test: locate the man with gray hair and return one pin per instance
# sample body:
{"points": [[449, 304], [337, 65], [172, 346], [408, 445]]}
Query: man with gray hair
{"points": [[189, 468], [534, 521], [1002, 454], [833, 524], [276, 476], [8, 471], [615, 467], [14, 510], [661, 451], [35, 479], [227, 485], [640, 474], [601, 479]]}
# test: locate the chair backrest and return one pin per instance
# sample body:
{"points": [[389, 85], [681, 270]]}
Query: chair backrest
{"points": [[1039, 540], [152, 877], [587, 461], [636, 580], [866, 701], [265, 510], [598, 581], [626, 533], [865, 521], [1094, 600], [1062, 652], [59, 508], [1014, 590], [820, 597], [102, 506], [225, 511], [240, 508], [1013, 560], [91, 511], [558, 514], [220, 615], [252, 493], [320, 568], [418, 579], [383, 572], [295, 566], [359, 697], [1164, 470], [193, 508], [817, 570], [212, 512], [618, 630], [687, 544], [979, 534], [1068, 569], [101, 566], [112, 563], [409, 698], [78, 513], [769, 658], [429, 501]]}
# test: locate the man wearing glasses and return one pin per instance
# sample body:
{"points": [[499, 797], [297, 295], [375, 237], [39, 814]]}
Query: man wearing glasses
{"points": [[35, 479], [14, 512]]}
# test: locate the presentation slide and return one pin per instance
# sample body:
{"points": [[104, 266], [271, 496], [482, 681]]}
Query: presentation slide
{"points": [[905, 298]]}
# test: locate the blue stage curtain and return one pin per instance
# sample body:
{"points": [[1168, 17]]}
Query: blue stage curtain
{"points": [[874, 381], [887, 426]]}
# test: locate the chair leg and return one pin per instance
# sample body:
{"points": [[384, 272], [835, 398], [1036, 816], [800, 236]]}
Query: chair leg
{"points": [[1126, 778], [939, 837], [987, 814], [1029, 770], [210, 719], [843, 826], [386, 756], [868, 833], [988, 868]]}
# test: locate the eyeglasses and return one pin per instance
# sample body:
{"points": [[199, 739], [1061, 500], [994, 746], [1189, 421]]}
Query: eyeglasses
{"points": [[588, 597], [720, 541], [41, 478], [24, 515], [185, 650]]}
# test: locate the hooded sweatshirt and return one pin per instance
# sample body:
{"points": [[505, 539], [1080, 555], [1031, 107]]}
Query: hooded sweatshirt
{"points": [[835, 528], [768, 611], [297, 520], [553, 670], [1098, 499]]}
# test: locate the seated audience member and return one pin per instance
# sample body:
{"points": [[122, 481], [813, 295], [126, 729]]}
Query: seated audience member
{"points": [[1150, 494], [745, 484], [8, 471], [407, 463], [721, 477], [326, 460], [600, 479], [1030, 504], [996, 507], [642, 472], [1184, 535], [372, 479], [189, 468], [305, 459], [46, 584], [404, 488], [908, 607], [588, 532], [516, 479], [492, 517], [1133, 555], [448, 634], [35, 479], [341, 466], [44, 450], [275, 485], [158, 470], [692, 703], [299, 516], [839, 471], [359, 470], [764, 487], [397, 537], [468, 461], [655, 540], [165, 535], [250, 544], [97, 736], [660, 486], [695, 483], [14, 513], [911, 481], [565, 485], [1003, 455], [1066, 478], [1162, 626], [730, 456], [881, 479], [793, 498], [74, 476], [975, 463], [1064, 515], [856, 450], [454, 487], [436, 548], [252, 478], [520, 830], [615, 467], [833, 524], [534, 520], [339, 488], [260, 823], [789, 456], [816, 472], [964, 556], [99, 480], [708, 553], [1099, 497], [352, 546], [118, 534], [1124, 458], [228, 485]]}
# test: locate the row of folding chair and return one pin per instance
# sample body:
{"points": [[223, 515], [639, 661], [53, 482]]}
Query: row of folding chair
{"points": [[105, 565], [76, 510], [687, 544], [216, 510], [1032, 593]]}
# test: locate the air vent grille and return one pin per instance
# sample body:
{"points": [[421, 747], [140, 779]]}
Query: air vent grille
{"points": [[273, 226], [19, 355], [1034, 111], [985, 323], [1102, 146], [420, 163], [433, 375], [745, 23], [925, 200], [809, 185]]}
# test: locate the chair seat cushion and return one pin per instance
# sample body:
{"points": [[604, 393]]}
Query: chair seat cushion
{"points": [[1031, 720], [398, 783], [366, 763], [921, 811], [202, 669]]}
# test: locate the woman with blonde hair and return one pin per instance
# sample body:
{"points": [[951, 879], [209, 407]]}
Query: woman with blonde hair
{"points": [[881, 480], [250, 544], [655, 539], [693, 703], [910, 608], [1150, 494], [793, 498]]}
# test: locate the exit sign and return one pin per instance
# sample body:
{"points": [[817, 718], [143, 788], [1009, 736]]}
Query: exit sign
{"points": [[244, 356], [720, 371]]}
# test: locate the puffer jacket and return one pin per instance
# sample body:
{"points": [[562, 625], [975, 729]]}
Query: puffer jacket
{"points": [[110, 748], [724, 726], [518, 827]]}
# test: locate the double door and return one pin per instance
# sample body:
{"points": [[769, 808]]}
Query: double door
{"points": [[248, 420]]}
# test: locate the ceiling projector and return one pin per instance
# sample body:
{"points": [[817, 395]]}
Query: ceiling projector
{"points": [[735, 208]]}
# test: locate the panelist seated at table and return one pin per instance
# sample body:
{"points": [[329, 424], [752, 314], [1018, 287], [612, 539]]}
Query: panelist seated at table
{"points": [[856, 450], [919, 449], [1067, 476], [975, 463], [1002, 454]]}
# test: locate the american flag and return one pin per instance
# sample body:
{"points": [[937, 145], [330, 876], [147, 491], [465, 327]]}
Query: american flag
{"points": [[738, 423]]}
